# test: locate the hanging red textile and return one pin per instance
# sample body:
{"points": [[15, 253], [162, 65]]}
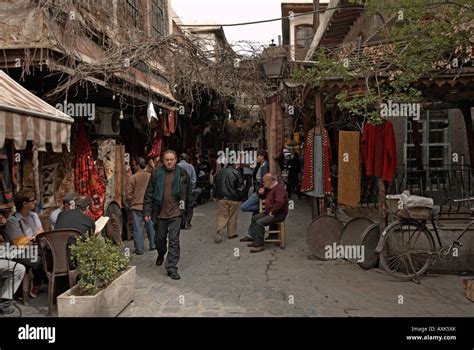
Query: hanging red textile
{"points": [[166, 129], [87, 181], [171, 122], [379, 150], [155, 149]]}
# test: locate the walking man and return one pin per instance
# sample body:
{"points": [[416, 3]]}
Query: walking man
{"points": [[229, 183], [167, 196], [136, 189], [276, 210]]}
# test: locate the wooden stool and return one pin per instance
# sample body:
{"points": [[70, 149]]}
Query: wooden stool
{"points": [[281, 229]]}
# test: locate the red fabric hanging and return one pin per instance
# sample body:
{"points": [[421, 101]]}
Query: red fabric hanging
{"points": [[87, 180], [155, 149], [379, 151], [171, 122], [166, 130]]}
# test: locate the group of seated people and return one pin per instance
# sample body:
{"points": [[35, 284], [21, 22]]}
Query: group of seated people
{"points": [[24, 225]]}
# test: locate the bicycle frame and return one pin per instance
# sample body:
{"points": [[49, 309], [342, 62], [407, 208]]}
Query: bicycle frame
{"points": [[457, 240]]}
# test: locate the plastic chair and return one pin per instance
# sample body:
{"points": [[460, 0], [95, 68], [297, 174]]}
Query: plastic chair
{"points": [[55, 243]]}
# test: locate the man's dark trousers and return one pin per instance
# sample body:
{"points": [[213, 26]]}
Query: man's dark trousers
{"points": [[259, 221], [168, 230]]}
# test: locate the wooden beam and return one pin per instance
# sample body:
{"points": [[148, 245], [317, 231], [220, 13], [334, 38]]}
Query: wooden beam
{"points": [[315, 16]]}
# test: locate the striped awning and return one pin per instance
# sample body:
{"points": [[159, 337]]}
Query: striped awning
{"points": [[25, 117]]}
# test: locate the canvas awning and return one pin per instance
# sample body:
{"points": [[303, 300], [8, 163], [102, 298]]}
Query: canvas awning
{"points": [[25, 117]]}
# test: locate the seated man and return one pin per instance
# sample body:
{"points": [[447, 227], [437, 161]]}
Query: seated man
{"points": [[276, 210], [68, 203], [11, 276], [251, 204], [76, 218]]}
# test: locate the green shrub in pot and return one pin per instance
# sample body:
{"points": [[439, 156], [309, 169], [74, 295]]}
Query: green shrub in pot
{"points": [[99, 261]]}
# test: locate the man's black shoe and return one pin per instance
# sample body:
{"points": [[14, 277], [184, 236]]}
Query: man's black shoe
{"points": [[159, 260], [174, 275]]}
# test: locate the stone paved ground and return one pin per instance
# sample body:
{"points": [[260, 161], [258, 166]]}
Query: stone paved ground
{"points": [[276, 282]]}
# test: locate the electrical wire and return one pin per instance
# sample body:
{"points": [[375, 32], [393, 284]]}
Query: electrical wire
{"points": [[355, 7]]}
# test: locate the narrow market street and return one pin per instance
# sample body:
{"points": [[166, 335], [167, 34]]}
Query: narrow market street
{"points": [[276, 282]]}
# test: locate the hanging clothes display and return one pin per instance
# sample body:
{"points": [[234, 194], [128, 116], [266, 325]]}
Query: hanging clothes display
{"points": [[106, 154], [155, 149], [171, 122], [166, 128], [87, 180], [316, 181], [379, 150]]}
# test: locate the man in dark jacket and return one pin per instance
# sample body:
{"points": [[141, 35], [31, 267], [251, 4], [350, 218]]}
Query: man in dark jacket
{"points": [[168, 195], [76, 218], [276, 210], [229, 183]]}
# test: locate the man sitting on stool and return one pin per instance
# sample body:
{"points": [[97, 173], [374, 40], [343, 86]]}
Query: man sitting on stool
{"points": [[276, 210]]}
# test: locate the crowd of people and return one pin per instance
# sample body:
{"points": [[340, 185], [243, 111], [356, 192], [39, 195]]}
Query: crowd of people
{"points": [[161, 196]]}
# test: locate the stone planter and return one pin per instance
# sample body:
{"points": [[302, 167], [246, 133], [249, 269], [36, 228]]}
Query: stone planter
{"points": [[109, 302]]}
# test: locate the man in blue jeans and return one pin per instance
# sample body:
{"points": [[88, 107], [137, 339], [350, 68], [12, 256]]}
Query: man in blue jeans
{"points": [[136, 189], [251, 205]]}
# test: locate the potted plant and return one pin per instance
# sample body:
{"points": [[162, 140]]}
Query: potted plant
{"points": [[106, 281]]}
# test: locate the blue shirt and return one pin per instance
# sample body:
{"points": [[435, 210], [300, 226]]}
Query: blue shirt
{"points": [[18, 226], [190, 170]]}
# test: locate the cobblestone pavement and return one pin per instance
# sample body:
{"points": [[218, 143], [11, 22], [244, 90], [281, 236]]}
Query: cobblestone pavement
{"points": [[226, 280]]}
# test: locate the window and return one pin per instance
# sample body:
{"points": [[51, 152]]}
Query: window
{"points": [[433, 128], [132, 11], [158, 18], [304, 36]]}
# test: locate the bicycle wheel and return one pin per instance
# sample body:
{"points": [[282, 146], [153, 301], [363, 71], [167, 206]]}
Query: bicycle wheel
{"points": [[407, 250]]}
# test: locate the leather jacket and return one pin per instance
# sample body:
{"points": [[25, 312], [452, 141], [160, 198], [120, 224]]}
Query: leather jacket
{"points": [[229, 184]]}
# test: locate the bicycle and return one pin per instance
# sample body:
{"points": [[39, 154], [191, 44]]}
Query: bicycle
{"points": [[407, 247]]}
